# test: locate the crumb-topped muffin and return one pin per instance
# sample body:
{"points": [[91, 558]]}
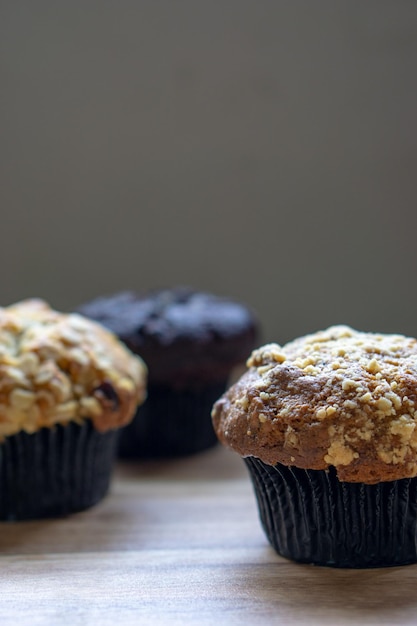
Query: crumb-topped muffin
{"points": [[191, 341], [332, 417], [66, 386]]}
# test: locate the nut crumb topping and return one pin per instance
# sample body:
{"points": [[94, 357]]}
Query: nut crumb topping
{"points": [[337, 397], [55, 368]]}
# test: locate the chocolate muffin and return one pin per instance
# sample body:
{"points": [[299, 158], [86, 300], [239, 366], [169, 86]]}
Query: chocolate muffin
{"points": [[191, 341], [66, 386], [327, 428]]}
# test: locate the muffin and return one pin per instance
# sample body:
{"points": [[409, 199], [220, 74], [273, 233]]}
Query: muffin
{"points": [[191, 342], [66, 386], [327, 428]]}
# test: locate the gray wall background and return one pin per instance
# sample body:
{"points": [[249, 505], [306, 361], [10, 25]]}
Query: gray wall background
{"points": [[262, 149]]}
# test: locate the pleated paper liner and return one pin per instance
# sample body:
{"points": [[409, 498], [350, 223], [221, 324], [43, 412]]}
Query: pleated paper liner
{"points": [[55, 471], [171, 423], [310, 516]]}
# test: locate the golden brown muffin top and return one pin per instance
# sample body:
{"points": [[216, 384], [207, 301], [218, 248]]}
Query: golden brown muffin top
{"points": [[338, 398], [56, 368]]}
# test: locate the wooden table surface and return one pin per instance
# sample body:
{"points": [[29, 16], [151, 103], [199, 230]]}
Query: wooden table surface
{"points": [[179, 542]]}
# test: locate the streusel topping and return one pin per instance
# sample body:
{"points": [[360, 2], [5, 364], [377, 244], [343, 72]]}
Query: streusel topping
{"points": [[55, 368], [337, 397]]}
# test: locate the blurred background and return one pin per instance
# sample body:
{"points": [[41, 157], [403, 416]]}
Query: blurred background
{"points": [[260, 149]]}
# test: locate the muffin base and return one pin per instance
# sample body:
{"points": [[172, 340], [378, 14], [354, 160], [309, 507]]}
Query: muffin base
{"points": [[310, 516], [171, 423], [55, 471]]}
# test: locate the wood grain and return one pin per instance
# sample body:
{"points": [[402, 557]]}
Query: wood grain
{"points": [[180, 543]]}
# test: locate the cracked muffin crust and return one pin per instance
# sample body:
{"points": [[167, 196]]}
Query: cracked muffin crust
{"points": [[337, 397], [56, 368], [185, 337], [191, 342]]}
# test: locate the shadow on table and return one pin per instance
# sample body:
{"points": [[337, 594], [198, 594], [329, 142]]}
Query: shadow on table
{"points": [[148, 507], [217, 463], [311, 594], [111, 525]]}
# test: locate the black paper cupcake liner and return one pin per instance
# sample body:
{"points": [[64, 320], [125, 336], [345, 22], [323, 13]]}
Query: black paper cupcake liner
{"points": [[171, 423], [310, 516], [55, 471]]}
